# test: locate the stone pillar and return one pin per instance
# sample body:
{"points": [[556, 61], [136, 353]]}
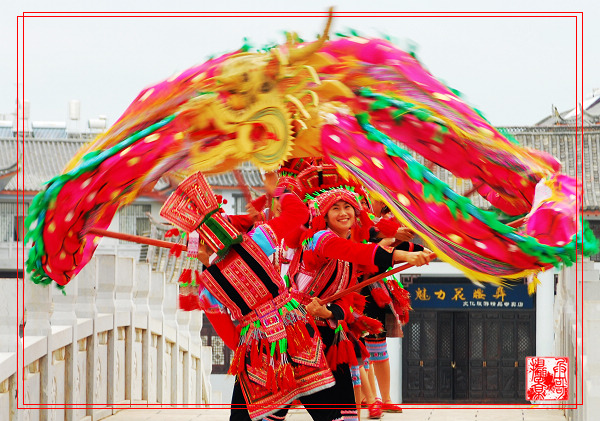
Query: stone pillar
{"points": [[171, 331], [38, 310], [64, 315], [544, 315], [93, 294], [195, 327], [84, 338], [141, 326], [10, 314], [206, 362], [87, 288], [183, 338], [123, 372], [158, 376], [591, 342], [105, 301], [395, 352]]}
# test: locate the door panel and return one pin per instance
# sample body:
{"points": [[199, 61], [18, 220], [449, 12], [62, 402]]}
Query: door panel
{"points": [[461, 355], [445, 355]]}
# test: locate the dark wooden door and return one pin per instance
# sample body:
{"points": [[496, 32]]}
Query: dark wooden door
{"points": [[500, 342], [467, 356]]}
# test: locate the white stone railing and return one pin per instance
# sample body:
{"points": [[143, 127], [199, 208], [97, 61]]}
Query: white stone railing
{"points": [[576, 327], [115, 340]]}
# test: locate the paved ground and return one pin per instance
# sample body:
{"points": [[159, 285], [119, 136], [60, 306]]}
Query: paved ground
{"points": [[409, 414]]}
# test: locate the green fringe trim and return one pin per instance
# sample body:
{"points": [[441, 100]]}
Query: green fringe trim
{"points": [[436, 190], [44, 200], [315, 194], [283, 345]]}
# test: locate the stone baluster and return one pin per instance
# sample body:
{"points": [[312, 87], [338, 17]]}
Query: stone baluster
{"points": [[171, 332], [142, 334]]}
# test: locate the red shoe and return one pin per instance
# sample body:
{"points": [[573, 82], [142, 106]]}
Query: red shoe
{"points": [[391, 407], [375, 409]]}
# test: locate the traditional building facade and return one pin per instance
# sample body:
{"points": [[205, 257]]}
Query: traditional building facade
{"points": [[451, 352]]}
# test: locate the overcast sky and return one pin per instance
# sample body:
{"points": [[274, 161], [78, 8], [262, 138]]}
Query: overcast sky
{"points": [[511, 68]]}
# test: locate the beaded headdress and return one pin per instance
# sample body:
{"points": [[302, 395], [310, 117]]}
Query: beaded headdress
{"points": [[288, 175]]}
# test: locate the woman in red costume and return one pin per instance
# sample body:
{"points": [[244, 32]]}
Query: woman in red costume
{"points": [[328, 263], [383, 297], [278, 353]]}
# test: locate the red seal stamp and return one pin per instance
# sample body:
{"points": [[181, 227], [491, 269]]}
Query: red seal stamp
{"points": [[547, 378]]}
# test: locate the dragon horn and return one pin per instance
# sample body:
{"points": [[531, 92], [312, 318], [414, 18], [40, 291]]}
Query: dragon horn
{"points": [[302, 53]]}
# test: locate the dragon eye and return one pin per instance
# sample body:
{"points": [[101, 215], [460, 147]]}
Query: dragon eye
{"points": [[266, 87]]}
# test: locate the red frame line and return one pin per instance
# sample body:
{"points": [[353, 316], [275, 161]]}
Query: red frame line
{"points": [[21, 76]]}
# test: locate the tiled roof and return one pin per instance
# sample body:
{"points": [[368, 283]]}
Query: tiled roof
{"points": [[563, 145], [251, 175], [46, 158], [42, 159], [7, 174], [588, 112]]}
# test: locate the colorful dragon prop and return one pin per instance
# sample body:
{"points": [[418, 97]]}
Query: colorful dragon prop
{"points": [[350, 100]]}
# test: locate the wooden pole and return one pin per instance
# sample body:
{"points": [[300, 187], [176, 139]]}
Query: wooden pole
{"points": [[242, 185], [473, 190], [363, 284], [134, 238], [516, 222]]}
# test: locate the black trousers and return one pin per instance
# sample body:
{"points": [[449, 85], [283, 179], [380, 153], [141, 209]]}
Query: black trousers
{"points": [[325, 405]]}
